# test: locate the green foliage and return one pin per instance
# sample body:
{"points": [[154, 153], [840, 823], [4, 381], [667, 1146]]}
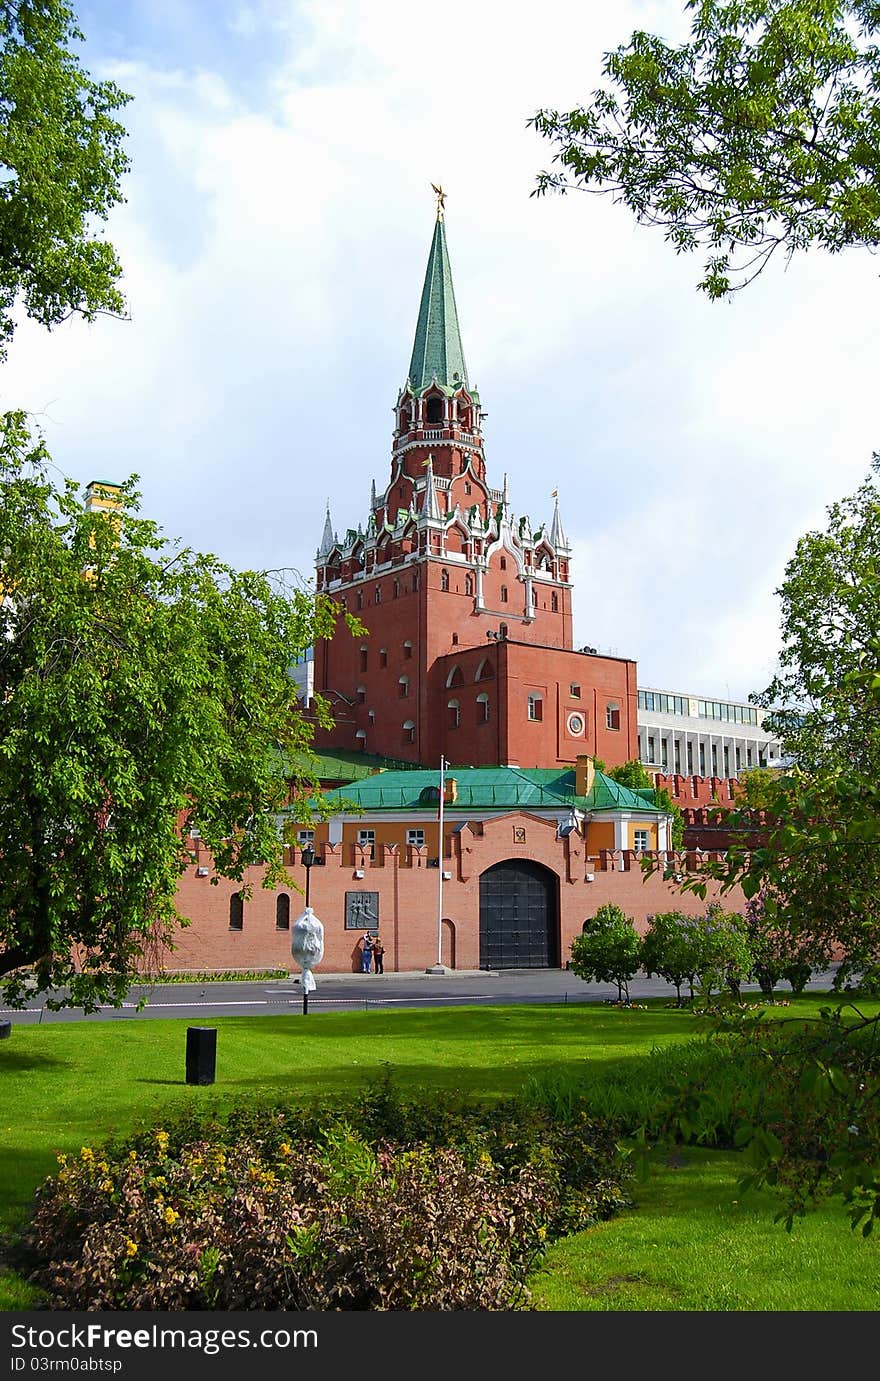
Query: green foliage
{"points": [[817, 868], [306, 1213], [673, 948], [759, 133], [801, 1098], [609, 950], [725, 958], [143, 689], [631, 774], [635, 776], [696, 1093], [824, 1137], [818, 704], [778, 953], [712, 949], [62, 162]]}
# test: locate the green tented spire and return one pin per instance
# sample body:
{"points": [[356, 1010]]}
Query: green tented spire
{"points": [[437, 349]]}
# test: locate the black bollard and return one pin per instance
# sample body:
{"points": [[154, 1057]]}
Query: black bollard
{"points": [[201, 1054]]}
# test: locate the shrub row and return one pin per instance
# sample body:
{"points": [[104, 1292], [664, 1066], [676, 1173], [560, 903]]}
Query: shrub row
{"points": [[428, 1205], [721, 949]]}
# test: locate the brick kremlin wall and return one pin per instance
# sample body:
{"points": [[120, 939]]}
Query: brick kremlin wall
{"points": [[408, 898]]}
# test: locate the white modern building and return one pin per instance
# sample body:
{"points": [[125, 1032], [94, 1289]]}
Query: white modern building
{"points": [[303, 673], [693, 736]]}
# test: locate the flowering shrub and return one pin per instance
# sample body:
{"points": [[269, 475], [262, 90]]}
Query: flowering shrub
{"points": [[277, 1209]]}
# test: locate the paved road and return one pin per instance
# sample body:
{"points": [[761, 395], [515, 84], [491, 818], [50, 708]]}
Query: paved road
{"points": [[359, 992]]}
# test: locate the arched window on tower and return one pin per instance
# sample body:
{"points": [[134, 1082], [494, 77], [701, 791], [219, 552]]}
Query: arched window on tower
{"points": [[363, 659], [453, 710], [484, 671], [554, 602], [434, 411], [469, 584], [407, 650], [361, 694], [483, 708], [409, 731], [282, 911], [396, 589], [455, 677], [503, 594], [360, 599], [404, 687], [444, 579]]}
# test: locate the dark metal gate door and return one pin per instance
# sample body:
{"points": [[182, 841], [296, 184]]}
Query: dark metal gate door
{"points": [[518, 923]]}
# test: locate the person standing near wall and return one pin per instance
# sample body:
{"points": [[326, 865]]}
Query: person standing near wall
{"points": [[378, 956], [366, 953]]}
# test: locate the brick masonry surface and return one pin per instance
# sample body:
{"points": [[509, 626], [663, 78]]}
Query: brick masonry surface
{"points": [[408, 899]]}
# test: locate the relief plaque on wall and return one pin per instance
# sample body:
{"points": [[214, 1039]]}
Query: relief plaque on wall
{"points": [[362, 911]]}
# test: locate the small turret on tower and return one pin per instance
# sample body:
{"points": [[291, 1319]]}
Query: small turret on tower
{"points": [[431, 504], [558, 539], [328, 540]]}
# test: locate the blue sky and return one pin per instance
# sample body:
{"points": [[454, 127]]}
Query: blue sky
{"points": [[274, 238]]}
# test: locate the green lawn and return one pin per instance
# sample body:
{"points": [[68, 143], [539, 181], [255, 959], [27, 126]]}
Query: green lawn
{"points": [[63, 1086], [695, 1243]]}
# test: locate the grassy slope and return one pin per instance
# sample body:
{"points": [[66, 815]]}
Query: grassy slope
{"points": [[64, 1086]]}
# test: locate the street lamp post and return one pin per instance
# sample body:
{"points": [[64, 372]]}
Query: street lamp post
{"points": [[307, 857]]}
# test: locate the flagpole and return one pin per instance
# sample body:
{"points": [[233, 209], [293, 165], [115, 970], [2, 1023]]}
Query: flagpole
{"points": [[443, 766]]}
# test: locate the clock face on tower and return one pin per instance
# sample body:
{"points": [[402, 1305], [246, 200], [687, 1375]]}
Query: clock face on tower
{"points": [[576, 725]]}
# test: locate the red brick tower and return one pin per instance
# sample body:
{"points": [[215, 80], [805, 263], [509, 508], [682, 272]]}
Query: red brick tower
{"points": [[468, 607]]}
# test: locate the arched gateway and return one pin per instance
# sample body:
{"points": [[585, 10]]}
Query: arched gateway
{"points": [[519, 916]]}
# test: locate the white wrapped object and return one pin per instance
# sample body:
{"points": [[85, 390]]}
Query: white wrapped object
{"points": [[307, 946]]}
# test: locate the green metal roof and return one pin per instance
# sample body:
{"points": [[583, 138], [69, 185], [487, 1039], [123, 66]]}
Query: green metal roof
{"points": [[346, 765], [437, 348], [488, 788]]}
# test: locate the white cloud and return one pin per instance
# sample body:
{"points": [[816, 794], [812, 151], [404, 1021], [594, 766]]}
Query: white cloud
{"points": [[274, 241]]}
